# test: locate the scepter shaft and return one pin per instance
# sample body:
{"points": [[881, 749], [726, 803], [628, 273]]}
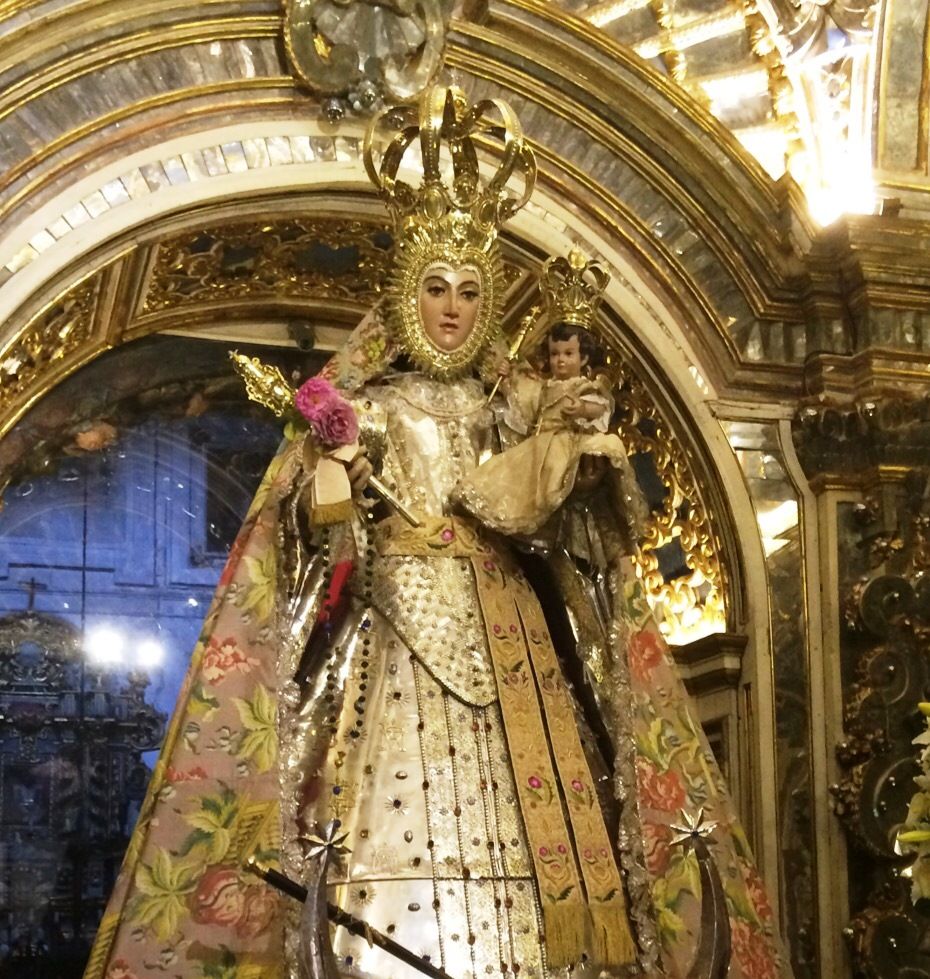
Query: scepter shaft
{"points": [[348, 921]]}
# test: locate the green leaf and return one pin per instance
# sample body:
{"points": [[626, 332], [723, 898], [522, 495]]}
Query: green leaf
{"points": [[195, 839], [260, 594], [163, 886], [739, 904], [214, 825], [259, 740], [681, 877]]}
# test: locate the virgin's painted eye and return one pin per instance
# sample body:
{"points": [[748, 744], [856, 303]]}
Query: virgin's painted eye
{"points": [[435, 290], [470, 295]]}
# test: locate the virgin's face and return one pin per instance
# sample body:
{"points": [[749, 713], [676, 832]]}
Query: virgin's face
{"points": [[449, 303]]}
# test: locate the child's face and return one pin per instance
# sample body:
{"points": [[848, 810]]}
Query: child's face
{"points": [[565, 358]]}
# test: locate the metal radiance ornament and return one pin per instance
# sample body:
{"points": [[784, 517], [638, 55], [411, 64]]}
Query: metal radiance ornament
{"points": [[356, 54]]}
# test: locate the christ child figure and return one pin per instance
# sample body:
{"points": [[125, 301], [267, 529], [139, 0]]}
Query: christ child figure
{"points": [[565, 416]]}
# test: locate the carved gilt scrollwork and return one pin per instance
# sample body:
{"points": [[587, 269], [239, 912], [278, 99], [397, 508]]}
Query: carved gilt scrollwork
{"points": [[322, 259], [44, 690], [35, 651], [48, 338], [872, 799], [691, 594], [885, 626]]}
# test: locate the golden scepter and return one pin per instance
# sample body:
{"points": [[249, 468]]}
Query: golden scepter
{"points": [[517, 343], [266, 385]]}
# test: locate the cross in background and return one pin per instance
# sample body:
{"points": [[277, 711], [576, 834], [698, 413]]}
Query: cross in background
{"points": [[32, 586]]}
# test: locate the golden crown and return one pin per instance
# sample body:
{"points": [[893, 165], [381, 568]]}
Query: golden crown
{"points": [[459, 208], [572, 289]]}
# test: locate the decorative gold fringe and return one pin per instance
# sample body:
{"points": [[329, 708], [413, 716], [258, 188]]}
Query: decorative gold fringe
{"points": [[566, 932], [327, 513], [611, 941]]}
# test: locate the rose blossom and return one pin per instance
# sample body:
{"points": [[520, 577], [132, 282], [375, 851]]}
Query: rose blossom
{"points": [[656, 838], [645, 655], [224, 657], [194, 774], [336, 424], [313, 396], [221, 899], [755, 890], [663, 792], [120, 970], [260, 907], [232, 559]]}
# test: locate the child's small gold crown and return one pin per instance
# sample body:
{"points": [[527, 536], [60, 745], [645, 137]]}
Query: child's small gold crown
{"points": [[572, 289]]}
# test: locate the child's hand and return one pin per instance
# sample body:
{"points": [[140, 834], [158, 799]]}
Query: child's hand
{"points": [[503, 369], [573, 408]]}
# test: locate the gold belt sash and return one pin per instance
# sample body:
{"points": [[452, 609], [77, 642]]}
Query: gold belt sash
{"points": [[580, 888]]}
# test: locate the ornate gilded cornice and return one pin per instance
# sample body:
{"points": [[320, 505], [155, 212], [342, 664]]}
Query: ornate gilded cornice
{"points": [[864, 442]]}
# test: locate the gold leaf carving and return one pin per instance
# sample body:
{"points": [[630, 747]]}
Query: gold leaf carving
{"points": [[691, 603], [324, 259], [47, 339]]}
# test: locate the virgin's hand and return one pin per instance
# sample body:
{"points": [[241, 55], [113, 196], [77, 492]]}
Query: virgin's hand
{"points": [[591, 471], [359, 472]]}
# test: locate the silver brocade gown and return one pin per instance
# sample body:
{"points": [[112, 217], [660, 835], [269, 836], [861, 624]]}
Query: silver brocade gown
{"points": [[403, 738]]}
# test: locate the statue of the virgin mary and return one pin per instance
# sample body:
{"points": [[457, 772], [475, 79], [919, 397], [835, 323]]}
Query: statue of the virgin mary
{"points": [[508, 780]]}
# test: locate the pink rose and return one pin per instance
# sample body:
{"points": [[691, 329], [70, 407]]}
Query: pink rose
{"points": [[260, 907], [222, 899], [645, 655], [663, 792], [120, 970], [219, 898], [336, 424], [755, 890], [223, 657], [313, 396], [232, 561], [195, 774]]}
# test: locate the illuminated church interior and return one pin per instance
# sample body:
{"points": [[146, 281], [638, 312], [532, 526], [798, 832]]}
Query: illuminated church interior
{"points": [[738, 192]]}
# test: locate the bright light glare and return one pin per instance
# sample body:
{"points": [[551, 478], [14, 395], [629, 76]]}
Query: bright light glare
{"points": [[775, 522], [780, 518], [104, 646], [150, 653], [847, 193]]}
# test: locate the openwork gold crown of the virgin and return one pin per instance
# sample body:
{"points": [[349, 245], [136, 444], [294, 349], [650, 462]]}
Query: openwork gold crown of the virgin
{"points": [[457, 207], [572, 289]]}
